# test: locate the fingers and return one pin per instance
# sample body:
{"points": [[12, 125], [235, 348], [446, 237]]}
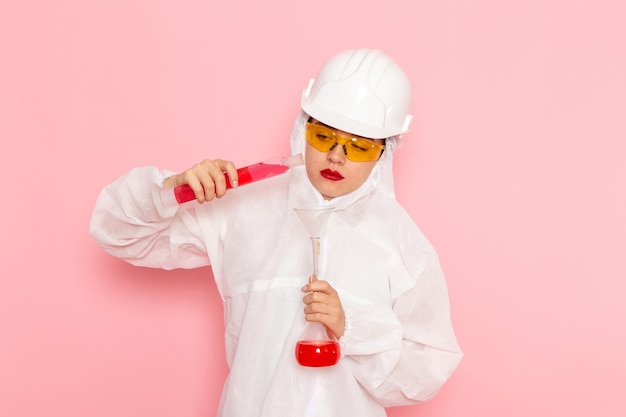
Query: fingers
{"points": [[318, 285], [220, 181], [318, 302], [207, 179], [333, 319], [322, 304], [231, 171]]}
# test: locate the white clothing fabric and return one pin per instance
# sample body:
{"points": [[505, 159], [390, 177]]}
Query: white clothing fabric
{"points": [[399, 346]]}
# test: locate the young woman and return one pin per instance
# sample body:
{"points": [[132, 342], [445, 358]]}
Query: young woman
{"points": [[380, 290]]}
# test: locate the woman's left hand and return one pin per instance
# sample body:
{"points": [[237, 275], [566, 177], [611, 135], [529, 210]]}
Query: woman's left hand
{"points": [[323, 306]]}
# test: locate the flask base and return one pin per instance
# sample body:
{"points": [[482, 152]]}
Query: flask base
{"points": [[317, 353]]}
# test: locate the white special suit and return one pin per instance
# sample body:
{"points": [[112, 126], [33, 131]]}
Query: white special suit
{"points": [[399, 346]]}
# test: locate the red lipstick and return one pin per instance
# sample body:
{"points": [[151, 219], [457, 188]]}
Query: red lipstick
{"points": [[331, 175]]}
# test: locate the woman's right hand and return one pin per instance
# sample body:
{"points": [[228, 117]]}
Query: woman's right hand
{"points": [[206, 179]]}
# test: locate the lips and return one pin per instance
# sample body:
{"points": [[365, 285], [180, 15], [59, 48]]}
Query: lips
{"points": [[331, 175]]}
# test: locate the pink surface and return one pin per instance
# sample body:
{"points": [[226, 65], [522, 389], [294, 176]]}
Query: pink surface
{"points": [[515, 169]]}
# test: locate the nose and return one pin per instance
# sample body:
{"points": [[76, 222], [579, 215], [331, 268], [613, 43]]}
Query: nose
{"points": [[336, 154]]}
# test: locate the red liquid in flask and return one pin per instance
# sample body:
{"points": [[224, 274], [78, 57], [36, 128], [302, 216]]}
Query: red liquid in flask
{"points": [[317, 353], [247, 175]]}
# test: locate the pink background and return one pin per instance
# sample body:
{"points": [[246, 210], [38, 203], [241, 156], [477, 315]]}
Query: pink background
{"points": [[515, 169]]}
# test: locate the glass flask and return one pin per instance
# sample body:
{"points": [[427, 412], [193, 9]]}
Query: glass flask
{"points": [[316, 346]]}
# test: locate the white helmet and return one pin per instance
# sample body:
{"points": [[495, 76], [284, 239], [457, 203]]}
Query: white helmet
{"points": [[360, 91]]}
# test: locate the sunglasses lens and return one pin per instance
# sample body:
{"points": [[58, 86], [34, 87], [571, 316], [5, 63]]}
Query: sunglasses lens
{"points": [[321, 138], [360, 150]]}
